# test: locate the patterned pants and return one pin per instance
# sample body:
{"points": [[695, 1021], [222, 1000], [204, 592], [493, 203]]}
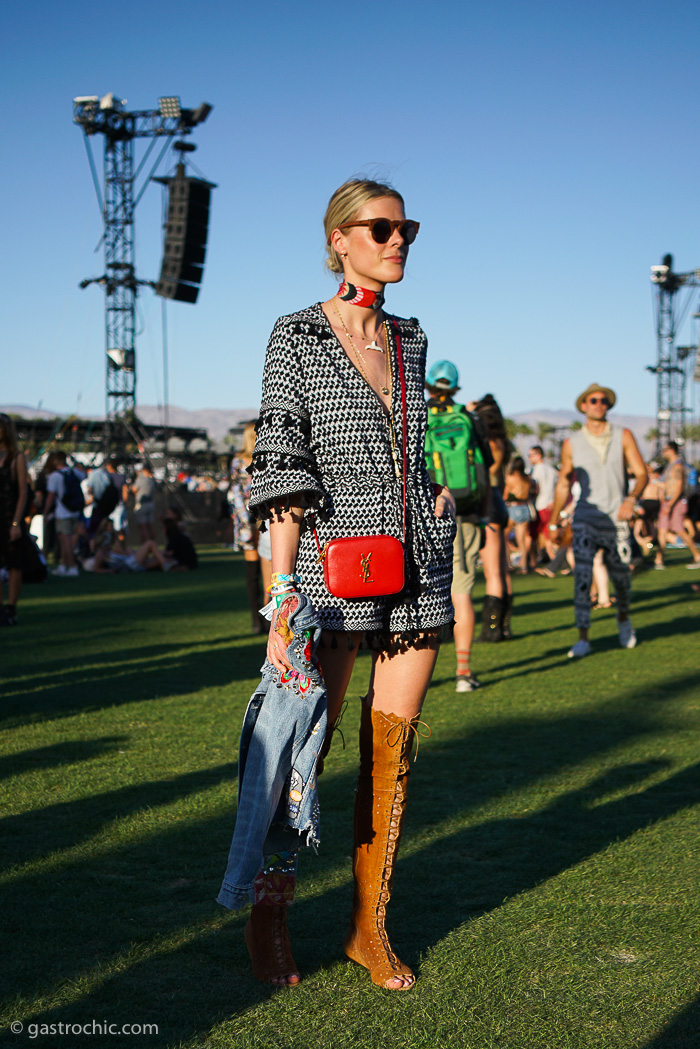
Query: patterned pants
{"points": [[614, 539]]}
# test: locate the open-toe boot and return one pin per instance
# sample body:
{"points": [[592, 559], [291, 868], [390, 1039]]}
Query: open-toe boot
{"points": [[267, 940], [380, 804], [266, 934]]}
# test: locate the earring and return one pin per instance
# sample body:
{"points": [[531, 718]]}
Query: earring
{"points": [[343, 254]]}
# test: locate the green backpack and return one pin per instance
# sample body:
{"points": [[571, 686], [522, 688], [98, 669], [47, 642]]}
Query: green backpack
{"points": [[454, 455]]}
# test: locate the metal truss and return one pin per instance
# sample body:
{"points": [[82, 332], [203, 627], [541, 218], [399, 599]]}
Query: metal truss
{"points": [[673, 298], [106, 116]]}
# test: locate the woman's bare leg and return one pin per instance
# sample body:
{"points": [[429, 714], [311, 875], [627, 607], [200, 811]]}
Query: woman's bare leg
{"points": [[147, 551], [491, 557], [337, 665], [398, 682], [601, 580], [521, 539], [15, 585]]}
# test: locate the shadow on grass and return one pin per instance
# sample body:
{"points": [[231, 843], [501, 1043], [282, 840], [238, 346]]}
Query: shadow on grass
{"points": [[681, 1032], [144, 674], [31, 835], [148, 931], [43, 681], [57, 754]]}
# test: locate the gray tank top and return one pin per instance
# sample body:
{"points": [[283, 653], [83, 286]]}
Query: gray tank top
{"points": [[603, 484]]}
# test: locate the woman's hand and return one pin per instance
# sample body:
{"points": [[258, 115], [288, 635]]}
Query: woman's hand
{"points": [[280, 635], [445, 504]]}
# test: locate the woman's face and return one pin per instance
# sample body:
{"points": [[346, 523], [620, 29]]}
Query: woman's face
{"points": [[369, 264]]}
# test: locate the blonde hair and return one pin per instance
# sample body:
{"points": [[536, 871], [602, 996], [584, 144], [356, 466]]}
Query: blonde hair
{"points": [[345, 204], [249, 436]]}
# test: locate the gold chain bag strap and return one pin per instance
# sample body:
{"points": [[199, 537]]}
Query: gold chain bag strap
{"points": [[371, 565]]}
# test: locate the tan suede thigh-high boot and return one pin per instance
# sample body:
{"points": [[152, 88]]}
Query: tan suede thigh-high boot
{"points": [[380, 804]]}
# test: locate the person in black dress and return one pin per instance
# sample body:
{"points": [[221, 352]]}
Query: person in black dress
{"points": [[13, 499]]}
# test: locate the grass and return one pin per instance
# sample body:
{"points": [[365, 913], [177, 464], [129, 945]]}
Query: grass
{"points": [[547, 891]]}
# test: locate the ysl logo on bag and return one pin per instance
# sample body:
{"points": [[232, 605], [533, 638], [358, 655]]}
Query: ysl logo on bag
{"points": [[366, 567]]}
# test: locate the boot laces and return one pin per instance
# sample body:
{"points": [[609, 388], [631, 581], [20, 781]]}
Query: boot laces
{"points": [[400, 733]]}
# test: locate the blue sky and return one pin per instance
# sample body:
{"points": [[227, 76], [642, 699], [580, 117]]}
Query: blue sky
{"points": [[549, 150]]}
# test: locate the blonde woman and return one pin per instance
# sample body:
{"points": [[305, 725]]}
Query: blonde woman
{"points": [[328, 463]]}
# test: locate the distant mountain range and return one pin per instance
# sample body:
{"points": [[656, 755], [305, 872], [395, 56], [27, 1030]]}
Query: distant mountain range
{"points": [[218, 421]]}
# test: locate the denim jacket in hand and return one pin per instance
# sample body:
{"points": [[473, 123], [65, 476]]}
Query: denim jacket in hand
{"points": [[283, 732]]}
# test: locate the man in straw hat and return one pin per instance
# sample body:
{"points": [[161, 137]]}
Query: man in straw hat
{"points": [[602, 455]]}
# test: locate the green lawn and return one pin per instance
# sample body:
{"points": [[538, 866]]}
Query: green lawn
{"points": [[547, 891]]}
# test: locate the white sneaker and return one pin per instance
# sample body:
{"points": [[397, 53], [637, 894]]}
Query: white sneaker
{"points": [[580, 649], [61, 570], [693, 566], [659, 567], [72, 571], [467, 683], [628, 638]]}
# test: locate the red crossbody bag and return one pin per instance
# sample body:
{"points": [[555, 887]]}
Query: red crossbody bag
{"points": [[368, 566]]}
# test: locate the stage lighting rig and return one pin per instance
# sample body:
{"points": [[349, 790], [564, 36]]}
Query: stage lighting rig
{"points": [[107, 115], [673, 295]]}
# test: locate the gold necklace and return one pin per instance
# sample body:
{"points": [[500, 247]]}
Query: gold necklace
{"points": [[370, 346], [386, 388]]}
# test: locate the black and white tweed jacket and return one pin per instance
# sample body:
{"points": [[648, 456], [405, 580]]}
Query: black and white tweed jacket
{"points": [[323, 439]]}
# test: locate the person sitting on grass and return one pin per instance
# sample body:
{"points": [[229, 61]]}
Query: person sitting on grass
{"points": [[110, 555], [179, 547], [563, 560]]}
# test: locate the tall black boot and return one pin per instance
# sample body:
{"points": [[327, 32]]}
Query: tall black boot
{"points": [[505, 618], [252, 585], [491, 617]]}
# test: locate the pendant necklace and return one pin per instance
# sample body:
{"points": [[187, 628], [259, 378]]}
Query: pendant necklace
{"points": [[370, 346], [361, 361]]}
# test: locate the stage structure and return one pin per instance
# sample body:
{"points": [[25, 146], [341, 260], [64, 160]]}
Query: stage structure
{"points": [[674, 366], [107, 116]]}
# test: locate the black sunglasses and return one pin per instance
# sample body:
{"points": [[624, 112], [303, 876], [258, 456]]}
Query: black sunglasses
{"points": [[598, 400], [382, 229]]}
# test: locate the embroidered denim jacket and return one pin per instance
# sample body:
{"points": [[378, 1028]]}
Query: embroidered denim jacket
{"points": [[283, 732]]}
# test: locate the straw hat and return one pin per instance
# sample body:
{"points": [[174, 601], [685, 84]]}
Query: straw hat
{"points": [[595, 387]]}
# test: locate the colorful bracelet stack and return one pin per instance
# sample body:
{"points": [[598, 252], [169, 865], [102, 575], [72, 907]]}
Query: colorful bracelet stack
{"points": [[283, 584]]}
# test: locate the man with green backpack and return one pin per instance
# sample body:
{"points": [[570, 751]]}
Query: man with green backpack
{"points": [[458, 455]]}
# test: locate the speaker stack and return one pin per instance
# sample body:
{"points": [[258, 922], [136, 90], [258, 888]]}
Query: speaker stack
{"points": [[186, 232]]}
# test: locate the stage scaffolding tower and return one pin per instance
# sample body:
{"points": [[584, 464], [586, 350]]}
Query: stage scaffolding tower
{"points": [[674, 292], [107, 116]]}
